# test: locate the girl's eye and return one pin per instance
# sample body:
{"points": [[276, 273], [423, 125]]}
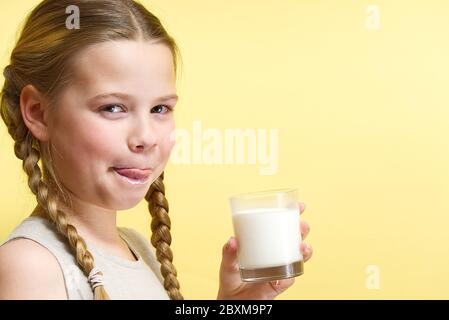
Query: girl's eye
{"points": [[161, 106], [158, 109], [111, 107]]}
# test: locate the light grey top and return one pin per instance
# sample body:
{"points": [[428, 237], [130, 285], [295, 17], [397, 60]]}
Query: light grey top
{"points": [[123, 279]]}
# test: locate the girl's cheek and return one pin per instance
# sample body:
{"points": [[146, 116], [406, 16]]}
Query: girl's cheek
{"points": [[92, 143], [171, 144], [170, 139]]}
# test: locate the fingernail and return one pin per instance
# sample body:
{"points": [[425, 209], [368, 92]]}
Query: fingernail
{"points": [[228, 245]]}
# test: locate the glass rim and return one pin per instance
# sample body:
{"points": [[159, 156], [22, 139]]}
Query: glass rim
{"points": [[262, 193]]}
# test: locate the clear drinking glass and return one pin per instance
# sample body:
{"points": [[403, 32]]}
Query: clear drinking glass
{"points": [[266, 226]]}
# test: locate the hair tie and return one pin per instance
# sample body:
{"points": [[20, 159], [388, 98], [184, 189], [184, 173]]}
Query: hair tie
{"points": [[95, 279]]}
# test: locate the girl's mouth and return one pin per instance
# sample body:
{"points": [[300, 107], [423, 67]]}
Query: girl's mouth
{"points": [[133, 175]]}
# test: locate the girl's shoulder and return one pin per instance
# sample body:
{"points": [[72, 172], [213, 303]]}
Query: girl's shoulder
{"points": [[28, 270]]}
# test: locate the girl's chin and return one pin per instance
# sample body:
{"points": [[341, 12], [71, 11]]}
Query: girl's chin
{"points": [[126, 203]]}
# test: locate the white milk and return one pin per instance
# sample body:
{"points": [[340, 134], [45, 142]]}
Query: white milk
{"points": [[267, 237]]}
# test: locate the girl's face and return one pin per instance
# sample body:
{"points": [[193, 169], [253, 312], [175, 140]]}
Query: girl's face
{"points": [[116, 114]]}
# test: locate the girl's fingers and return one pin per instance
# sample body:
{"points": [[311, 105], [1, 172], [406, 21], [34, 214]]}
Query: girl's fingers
{"points": [[281, 285], [304, 229], [306, 250], [302, 207]]}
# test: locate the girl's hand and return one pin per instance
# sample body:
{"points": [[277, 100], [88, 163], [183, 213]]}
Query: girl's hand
{"points": [[233, 288]]}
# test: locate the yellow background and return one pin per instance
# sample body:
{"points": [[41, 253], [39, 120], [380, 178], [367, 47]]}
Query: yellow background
{"points": [[363, 134]]}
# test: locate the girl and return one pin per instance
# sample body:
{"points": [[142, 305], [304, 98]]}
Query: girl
{"points": [[95, 105]]}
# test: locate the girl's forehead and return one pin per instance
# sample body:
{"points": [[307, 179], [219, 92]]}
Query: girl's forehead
{"points": [[125, 62]]}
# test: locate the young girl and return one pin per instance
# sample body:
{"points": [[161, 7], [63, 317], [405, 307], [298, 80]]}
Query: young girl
{"points": [[95, 105]]}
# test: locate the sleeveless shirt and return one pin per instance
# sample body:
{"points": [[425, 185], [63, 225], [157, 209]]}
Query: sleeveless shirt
{"points": [[123, 279]]}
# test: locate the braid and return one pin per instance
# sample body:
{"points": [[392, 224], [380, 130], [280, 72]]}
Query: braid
{"points": [[24, 149], [161, 238]]}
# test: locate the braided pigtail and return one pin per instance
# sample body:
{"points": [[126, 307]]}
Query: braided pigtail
{"points": [[161, 237]]}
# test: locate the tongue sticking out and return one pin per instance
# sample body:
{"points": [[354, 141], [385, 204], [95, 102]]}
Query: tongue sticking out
{"points": [[137, 174]]}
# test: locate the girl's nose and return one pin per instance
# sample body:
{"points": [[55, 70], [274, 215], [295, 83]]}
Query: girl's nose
{"points": [[143, 135]]}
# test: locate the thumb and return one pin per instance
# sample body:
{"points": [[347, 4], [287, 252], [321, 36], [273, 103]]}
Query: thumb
{"points": [[230, 259]]}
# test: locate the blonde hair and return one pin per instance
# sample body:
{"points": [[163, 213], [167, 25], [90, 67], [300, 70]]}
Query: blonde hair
{"points": [[43, 57]]}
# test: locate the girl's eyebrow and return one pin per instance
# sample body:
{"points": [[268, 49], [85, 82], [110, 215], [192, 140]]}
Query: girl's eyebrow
{"points": [[127, 96]]}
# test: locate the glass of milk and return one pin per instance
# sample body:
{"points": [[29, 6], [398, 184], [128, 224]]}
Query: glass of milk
{"points": [[266, 226]]}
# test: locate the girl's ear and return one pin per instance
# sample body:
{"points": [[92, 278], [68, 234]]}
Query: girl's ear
{"points": [[34, 112]]}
